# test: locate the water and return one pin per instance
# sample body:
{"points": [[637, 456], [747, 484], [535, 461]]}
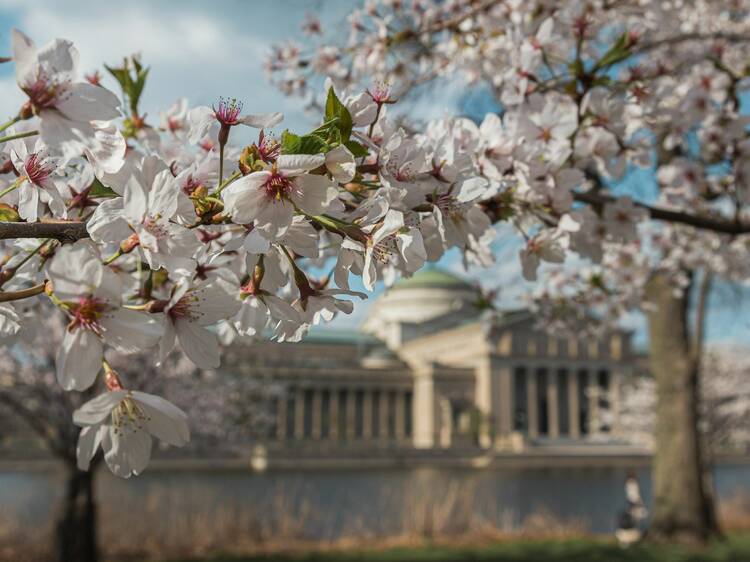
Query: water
{"points": [[329, 504]]}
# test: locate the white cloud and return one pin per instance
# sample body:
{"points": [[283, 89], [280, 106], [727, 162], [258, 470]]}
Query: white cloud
{"points": [[195, 49]]}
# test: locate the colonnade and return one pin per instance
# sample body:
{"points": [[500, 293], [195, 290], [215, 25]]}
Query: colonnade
{"points": [[344, 414]]}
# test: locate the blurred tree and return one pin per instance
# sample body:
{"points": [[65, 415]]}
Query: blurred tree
{"points": [[223, 414]]}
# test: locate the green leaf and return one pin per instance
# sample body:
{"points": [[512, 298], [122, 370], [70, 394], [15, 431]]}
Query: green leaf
{"points": [[8, 213], [334, 136], [132, 79], [336, 109], [98, 189], [325, 127], [616, 53], [307, 144], [356, 149], [121, 75], [137, 89]]}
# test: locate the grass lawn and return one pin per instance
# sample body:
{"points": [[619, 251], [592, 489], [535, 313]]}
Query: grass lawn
{"points": [[734, 549]]}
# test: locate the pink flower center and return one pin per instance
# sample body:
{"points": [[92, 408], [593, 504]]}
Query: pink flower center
{"points": [[44, 92], [383, 250], [228, 112], [269, 148], [174, 124], [190, 185], [37, 168], [380, 93], [401, 173], [128, 416], [86, 313], [533, 246], [155, 228], [183, 308], [450, 206], [278, 186]]}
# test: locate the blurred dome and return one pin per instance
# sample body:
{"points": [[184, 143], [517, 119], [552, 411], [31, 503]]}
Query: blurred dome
{"points": [[427, 295]]}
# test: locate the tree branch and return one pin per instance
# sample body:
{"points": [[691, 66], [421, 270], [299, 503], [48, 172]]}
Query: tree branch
{"points": [[455, 21], [8, 296], [685, 37], [64, 231], [36, 423], [715, 224], [699, 331]]}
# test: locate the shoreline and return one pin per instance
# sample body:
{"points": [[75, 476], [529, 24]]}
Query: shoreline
{"points": [[272, 461]]}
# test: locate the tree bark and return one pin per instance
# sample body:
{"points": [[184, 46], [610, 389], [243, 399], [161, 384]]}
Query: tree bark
{"points": [[683, 509], [76, 526]]}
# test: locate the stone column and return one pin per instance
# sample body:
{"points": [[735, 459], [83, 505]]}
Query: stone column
{"points": [[553, 411], [281, 418], [351, 397], [573, 405], [532, 402], [383, 412], [367, 414], [593, 398], [317, 413], [400, 420], [333, 414], [615, 382], [483, 399], [425, 415], [299, 414], [505, 415]]}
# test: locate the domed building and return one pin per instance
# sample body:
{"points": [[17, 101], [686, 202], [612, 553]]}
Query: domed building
{"points": [[430, 371], [431, 300]]}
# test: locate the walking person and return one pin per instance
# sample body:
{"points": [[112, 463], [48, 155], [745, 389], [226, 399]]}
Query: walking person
{"points": [[631, 521]]}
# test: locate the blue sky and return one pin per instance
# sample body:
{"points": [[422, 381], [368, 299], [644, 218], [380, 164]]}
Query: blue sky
{"points": [[203, 50]]}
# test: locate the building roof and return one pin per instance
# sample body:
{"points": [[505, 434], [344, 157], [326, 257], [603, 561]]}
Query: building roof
{"points": [[433, 278], [338, 336]]}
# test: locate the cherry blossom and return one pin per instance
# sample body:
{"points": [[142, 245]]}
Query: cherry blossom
{"points": [[91, 294], [38, 180], [66, 106], [187, 314], [122, 422], [269, 198]]}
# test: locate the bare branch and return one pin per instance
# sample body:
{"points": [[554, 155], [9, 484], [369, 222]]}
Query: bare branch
{"points": [[64, 231], [686, 37], [715, 224], [8, 296]]}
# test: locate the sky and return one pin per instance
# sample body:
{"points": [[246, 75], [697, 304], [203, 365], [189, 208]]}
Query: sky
{"points": [[203, 50]]}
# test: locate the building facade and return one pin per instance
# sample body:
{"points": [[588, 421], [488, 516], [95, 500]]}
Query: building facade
{"points": [[428, 371]]}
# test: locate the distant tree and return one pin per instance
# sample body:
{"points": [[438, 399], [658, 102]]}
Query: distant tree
{"points": [[226, 413]]}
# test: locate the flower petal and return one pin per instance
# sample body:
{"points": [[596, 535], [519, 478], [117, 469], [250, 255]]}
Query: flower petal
{"points": [[130, 330], [295, 164], [97, 409], [126, 452], [165, 420], [89, 440], [315, 193], [244, 198], [200, 345], [79, 359], [262, 120], [86, 102]]}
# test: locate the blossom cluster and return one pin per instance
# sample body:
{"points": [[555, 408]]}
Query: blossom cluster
{"points": [[190, 241], [597, 99]]}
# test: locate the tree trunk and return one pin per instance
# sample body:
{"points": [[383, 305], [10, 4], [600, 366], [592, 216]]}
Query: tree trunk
{"points": [[683, 509], [76, 526]]}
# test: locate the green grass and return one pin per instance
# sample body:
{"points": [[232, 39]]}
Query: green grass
{"points": [[733, 549]]}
